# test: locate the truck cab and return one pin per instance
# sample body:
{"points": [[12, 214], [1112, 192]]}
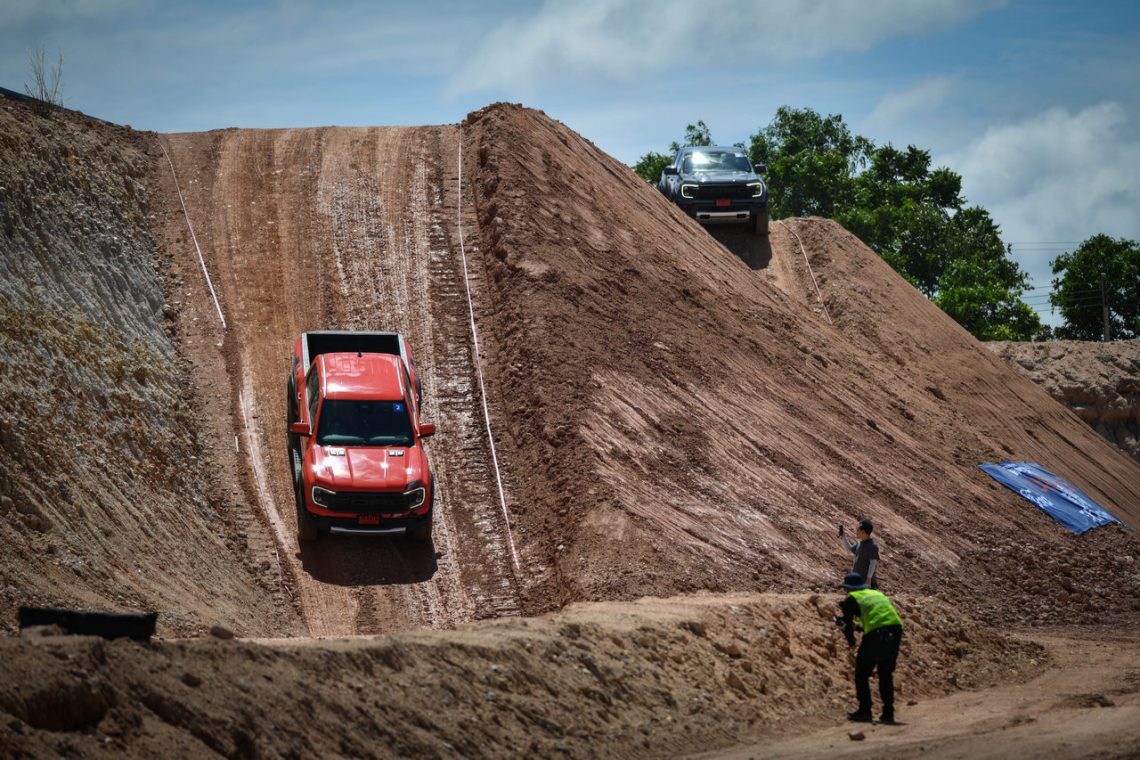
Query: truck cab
{"points": [[356, 440]]}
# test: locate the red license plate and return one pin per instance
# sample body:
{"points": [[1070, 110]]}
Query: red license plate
{"points": [[369, 519], [723, 203]]}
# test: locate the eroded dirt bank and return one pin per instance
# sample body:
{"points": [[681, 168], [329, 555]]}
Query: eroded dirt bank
{"points": [[652, 678], [105, 498], [1100, 382]]}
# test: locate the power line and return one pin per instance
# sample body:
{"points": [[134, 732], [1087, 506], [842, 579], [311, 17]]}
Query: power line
{"points": [[1074, 295]]}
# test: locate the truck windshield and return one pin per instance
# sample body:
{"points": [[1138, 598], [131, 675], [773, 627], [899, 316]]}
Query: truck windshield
{"points": [[346, 422], [715, 161]]}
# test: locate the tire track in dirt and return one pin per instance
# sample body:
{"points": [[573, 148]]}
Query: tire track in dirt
{"points": [[352, 229], [775, 259], [397, 266]]}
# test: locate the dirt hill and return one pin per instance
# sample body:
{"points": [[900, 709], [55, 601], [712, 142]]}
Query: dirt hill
{"points": [[671, 411], [684, 418]]}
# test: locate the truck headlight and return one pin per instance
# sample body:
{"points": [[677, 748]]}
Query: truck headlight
{"points": [[757, 189], [687, 190], [415, 497], [324, 497]]}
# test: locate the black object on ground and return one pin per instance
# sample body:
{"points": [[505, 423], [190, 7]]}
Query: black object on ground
{"points": [[139, 626]]}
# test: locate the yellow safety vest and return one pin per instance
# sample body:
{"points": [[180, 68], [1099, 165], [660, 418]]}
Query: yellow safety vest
{"points": [[875, 610]]}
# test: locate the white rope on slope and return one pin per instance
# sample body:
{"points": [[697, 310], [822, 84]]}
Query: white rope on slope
{"points": [[193, 237], [813, 282], [479, 364]]}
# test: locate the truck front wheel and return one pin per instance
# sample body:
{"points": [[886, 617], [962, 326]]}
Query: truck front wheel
{"points": [[422, 532], [760, 222], [307, 529], [294, 441]]}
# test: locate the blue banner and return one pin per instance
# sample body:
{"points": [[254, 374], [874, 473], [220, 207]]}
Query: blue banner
{"points": [[1053, 495]]}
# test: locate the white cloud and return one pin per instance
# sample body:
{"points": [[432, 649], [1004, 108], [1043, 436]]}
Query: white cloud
{"points": [[625, 40], [1058, 176], [921, 99]]}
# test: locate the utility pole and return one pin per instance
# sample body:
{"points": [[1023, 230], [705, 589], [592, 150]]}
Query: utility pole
{"points": [[1104, 306]]}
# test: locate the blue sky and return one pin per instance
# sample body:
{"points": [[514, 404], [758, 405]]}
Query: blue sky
{"points": [[1035, 104]]}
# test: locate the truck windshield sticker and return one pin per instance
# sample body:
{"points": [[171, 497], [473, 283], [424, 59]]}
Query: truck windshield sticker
{"points": [[397, 407]]}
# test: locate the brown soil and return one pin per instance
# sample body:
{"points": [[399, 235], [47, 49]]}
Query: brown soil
{"points": [[672, 412], [106, 498], [597, 680], [1085, 702], [1100, 382], [343, 229], [682, 418]]}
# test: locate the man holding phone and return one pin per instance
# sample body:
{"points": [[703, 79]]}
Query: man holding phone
{"points": [[866, 552]]}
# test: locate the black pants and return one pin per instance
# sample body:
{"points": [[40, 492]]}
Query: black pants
{"points": [[878, 651]]}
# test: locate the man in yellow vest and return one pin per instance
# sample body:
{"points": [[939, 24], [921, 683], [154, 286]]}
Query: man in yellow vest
{"points": [[882, 634]]}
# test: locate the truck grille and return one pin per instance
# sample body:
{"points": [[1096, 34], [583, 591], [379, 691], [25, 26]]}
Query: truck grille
{"points": [[714, 192], [368, 503]]}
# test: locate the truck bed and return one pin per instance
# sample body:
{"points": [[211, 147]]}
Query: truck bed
{"points": [[313, 344]]}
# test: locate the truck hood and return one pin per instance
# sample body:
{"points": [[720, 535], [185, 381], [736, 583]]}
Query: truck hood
{"points": [[367, 468], [720, 177]]}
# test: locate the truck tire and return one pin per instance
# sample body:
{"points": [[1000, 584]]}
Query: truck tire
{"points": [[291, 410], [760, 222], [307, 528], [294, 442], [422, 532], [295, 460]]}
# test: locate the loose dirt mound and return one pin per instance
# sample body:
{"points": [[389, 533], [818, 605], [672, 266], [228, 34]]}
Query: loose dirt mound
{"points": [[1100, 382], [676, 417], [632, 680]]}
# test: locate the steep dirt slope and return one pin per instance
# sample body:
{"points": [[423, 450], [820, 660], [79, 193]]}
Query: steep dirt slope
{"points": [[341, 229], [104, 499], [683, 418], [1100, 382]]}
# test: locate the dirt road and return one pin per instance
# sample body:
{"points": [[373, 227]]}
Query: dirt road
{"points": [[1085, 703], [352, 229]]}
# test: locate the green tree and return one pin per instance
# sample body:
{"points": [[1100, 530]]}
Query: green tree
{"points": [[972, 292], [811, 162], [695, 134], [1101, 273], [649, 166], [910, 213]]}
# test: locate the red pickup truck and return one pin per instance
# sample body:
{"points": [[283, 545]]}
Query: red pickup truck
{"points": [[356, 441]]}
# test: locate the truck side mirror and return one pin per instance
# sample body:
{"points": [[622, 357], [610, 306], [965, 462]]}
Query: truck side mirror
{"points": [[670, 171], [427, 429], [760, 168], [300, 428]]}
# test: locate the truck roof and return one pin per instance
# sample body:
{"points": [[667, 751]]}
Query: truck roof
{"points": [[362, 376]]}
